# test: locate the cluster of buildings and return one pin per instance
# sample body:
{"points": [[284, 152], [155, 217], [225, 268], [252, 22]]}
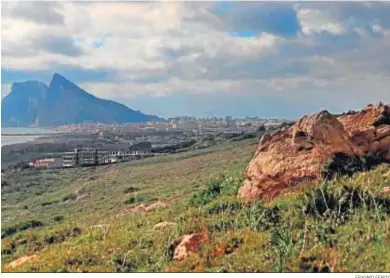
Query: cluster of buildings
{"points": [[95, 156], [191, 123], [182, 123], [42, 163]]}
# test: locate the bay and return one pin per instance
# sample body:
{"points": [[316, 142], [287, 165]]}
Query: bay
{"points": [[16, 135]]}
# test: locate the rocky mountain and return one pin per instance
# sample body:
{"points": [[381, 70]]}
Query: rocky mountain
{"points": [[317, 147], [33, 103]]}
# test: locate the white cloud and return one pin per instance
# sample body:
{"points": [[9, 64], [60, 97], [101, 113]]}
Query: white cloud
{"points": [[313, 20]]}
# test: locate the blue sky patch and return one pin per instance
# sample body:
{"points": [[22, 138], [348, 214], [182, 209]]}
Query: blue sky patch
{"points": [[224, 6], [99, 44]]}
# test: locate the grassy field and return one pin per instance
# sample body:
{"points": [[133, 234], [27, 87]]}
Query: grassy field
{"points": [[71, 219]]}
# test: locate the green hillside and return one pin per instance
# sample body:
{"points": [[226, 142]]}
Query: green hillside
{"points": [[71, 219]]}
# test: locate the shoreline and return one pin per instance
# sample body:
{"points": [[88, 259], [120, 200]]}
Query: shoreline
{"points": [[30, 134], [25, 140]]}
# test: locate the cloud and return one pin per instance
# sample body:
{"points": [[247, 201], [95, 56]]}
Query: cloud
{"points": [[317, 21], [60, 45], [39, 12], [319, 54]]}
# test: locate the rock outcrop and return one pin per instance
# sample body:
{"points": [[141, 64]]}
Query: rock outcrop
{"points": [[370, 129], [314, 148]]}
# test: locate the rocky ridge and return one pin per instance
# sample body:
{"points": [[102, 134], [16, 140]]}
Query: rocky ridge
{"points": [[317, 147]]}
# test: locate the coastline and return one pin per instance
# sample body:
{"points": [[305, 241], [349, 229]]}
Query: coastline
{"points": [[15, 135], [17, 139]]}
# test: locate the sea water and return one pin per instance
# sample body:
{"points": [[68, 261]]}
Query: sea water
{"points": [[17, 135]]}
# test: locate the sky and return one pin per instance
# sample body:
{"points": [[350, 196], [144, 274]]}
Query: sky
{"points": [[267, 59]]}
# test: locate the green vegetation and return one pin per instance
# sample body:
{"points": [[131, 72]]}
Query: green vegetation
{"points": [[339, 226], [21, 227], [69, 197]]}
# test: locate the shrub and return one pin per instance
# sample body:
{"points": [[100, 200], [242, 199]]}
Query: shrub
{"points": [[212, 190], [221, 225], [230, 185], [70, 196], [83, 259], [61, 235], [133, 200], [120, 264], [21, 227], [281, 239], [225, 205], [345, 165], [260, 218], [339, 203], [130, 189], [58, 218], [48, 203]]}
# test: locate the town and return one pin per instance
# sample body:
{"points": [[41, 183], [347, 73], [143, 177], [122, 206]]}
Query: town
{"points": [[176, 124], [97, 144]]}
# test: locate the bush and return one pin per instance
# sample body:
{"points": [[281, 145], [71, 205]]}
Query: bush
{"points": [[212, 190], [231, 185], [133, 200], [70, 196], [345, 165], [44, 204], [222, 186], [58, 218], [130, 189], [62, 235], [21, 227], [260, 218], [225, 205]]}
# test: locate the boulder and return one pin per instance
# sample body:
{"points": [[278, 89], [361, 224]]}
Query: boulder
{"points": [[189, 244], [370, 129], [296, 154]]}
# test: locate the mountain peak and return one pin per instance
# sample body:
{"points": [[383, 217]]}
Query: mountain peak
{"points": [[58, 79], [63, 102]]}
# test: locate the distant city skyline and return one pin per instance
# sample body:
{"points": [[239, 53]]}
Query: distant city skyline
{"points": [[203, 59]]}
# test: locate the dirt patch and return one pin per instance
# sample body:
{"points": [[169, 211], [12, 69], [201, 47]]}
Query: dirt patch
{"points": [[22, 260], [163, 225], [81, 193], [144, 208], [385, 191]]}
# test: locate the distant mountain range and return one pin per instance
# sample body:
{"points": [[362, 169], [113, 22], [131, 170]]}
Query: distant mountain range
{"points": [[32, 103]]}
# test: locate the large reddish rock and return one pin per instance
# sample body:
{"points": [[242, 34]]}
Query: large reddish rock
{"points": [[189, 244], [370, 129], [296, 154]]}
